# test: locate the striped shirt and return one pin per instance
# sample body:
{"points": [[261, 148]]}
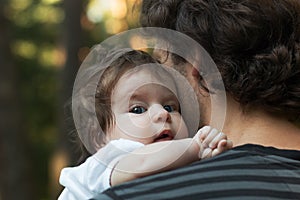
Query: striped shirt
{"points": [[245, 172]]}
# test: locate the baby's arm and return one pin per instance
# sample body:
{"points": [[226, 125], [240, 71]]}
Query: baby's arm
{"points": [[167, 155], [89, 179]]}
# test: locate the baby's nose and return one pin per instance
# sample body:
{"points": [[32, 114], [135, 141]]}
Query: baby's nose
{"points": [[159, 114]]}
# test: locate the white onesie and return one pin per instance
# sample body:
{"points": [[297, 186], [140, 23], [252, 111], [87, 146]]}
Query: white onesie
{"points": [[92, 177]]}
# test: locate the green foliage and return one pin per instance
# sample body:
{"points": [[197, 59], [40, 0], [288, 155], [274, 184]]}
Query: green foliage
{"points": [[37, 35], [36, 31]]}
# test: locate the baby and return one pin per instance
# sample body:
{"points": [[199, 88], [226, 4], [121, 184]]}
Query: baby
{"points": [[143, 131]]}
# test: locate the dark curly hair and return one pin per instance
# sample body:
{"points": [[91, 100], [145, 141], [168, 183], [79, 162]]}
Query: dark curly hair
{"points": [[254, 43]]}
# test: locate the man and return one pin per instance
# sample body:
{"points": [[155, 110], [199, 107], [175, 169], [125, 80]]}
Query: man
{"points": [[256, 47]]}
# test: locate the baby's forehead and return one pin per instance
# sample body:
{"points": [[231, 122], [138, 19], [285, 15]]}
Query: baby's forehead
{"points": [[153, 89], [143, 79], [152, 74], [154, 70]]}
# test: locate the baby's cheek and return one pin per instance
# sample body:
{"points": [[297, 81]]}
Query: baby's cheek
{"points": [[139, 121], [134, 125], [181, 129]]}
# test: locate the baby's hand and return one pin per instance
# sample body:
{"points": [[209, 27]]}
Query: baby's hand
{"points": [[211, 142]]}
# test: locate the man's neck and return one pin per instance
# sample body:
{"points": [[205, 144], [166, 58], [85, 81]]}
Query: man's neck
{"points": [[261, 128]]}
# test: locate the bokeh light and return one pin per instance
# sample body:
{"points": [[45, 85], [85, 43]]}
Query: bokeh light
{"points": [[98, 10], [25, 49]]}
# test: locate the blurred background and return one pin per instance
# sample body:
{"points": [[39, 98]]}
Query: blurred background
{"points": [[42, 44]]}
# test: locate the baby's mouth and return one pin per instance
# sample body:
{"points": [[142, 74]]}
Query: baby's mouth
{"points": [[164, 136]]}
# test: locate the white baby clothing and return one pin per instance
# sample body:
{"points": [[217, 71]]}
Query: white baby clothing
{"points": [[92, 177]]}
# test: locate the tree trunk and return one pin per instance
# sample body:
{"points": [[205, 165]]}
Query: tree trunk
{"points": [[66, 153], [15, 166], [73, 42]]}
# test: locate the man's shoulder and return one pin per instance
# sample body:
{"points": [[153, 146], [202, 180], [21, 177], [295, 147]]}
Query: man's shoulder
{"points": [[249, 170]]}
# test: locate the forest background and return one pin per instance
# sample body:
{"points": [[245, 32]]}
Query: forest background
{"points": [[42, 44]]}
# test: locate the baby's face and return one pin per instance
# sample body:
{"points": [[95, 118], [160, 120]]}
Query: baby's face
{"points": [[145, 110]]}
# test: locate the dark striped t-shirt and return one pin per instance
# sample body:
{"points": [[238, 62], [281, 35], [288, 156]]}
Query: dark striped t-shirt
{"points": [[245, 172]]}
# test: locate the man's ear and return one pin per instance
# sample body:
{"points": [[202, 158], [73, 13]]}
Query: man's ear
{"points": [[195, 73], [201, 86]]}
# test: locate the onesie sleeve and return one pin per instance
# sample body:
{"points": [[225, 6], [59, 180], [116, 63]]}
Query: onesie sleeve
{"points": [[92, 177]]}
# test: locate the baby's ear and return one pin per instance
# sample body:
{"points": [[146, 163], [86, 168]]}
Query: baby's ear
{"points": [[197, 77]]}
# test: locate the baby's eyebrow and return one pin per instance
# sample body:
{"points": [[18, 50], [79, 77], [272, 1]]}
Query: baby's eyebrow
{"points": [[166, 96], [137, 96], [170, 95]]}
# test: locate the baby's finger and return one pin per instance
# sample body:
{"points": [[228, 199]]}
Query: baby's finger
{"points": [[201, 134], [223, 146], [211, 135], [214, 143], [207, 153], [215, 152], [228, 145]]}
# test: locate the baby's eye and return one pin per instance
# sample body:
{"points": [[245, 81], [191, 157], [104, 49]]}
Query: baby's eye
{"points": [[169, 108], [138, 110]]}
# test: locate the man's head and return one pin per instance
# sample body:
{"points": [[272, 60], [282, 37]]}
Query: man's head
{"points": [[255, 45]]}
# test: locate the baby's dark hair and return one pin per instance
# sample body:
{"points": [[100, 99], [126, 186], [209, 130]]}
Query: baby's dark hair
{"points": [[255, 45], [109, 77]]}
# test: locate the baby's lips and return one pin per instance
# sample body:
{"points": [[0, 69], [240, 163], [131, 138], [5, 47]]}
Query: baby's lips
{"points": [[165, 135]]}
